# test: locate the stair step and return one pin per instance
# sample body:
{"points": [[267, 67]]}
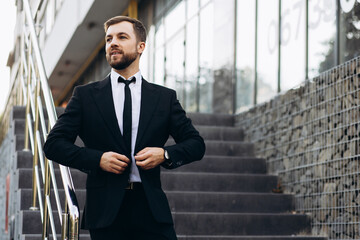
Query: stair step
{"points": [[211, 119], [207, 132], [26, 198], [32, 222], [224, 164], [18, 112], [203, 237], [196, 118], [212, 164], [189, 223], [196, 181], [227, 237], [181, 201], [179, 181], [222, 133], [24, 159], [225, 148], [19, 126], [38, 236], [24, 177], [230, 202], [229, 148]]}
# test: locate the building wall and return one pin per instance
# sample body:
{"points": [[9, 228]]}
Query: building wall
{"points": [[310, 137]]}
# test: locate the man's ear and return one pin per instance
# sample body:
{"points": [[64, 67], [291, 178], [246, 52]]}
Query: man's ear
{"points": [[141, 47]]}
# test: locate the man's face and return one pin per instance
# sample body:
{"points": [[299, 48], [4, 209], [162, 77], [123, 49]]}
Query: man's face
{"points": [[122, 47]]}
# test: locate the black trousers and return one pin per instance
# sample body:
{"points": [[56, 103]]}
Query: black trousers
{"points": [[135, 222]]}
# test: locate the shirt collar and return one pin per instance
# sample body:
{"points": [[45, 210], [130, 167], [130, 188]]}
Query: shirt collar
{"points": [[114, 78]]}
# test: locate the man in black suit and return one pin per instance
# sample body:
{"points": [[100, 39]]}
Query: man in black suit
{"points": [[124, 122]]}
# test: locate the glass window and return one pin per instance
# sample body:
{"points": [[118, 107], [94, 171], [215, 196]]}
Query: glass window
{"points": [[206, 58], [322, 32], [159, 66], [245, 54], [175, 20], [204, 2], [159, 36], [292, 43], [349, 30], [175, 64], [192, 8], [268, 11], [191, 64]]}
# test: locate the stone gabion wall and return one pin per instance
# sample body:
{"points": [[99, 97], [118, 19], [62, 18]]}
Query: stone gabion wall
{"points": [[310, 137]]}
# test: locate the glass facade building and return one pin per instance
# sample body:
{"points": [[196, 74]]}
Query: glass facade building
{"points": [[225, 56]]}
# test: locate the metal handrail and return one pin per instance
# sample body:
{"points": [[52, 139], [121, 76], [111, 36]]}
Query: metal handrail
{"points": [[36, 90]]}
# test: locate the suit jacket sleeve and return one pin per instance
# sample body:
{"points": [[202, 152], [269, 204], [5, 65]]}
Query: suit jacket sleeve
{"points": [[59, 145], [189, 145]]}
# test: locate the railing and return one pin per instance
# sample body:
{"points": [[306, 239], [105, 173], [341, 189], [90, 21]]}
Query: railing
{"points": [[32, 84]]}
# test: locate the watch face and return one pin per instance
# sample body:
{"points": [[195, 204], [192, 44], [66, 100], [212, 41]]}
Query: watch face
{"points": [[166, 155]]}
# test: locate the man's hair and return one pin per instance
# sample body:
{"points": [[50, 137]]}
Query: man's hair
{"points": [[138, 26]]}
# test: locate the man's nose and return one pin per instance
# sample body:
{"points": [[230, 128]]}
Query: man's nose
{"points": [[114, 42]]}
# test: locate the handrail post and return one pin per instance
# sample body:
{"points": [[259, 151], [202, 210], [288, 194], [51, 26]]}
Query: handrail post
{"points": [[73, 228], [28, 92], [45, 233], [36, 129], [64, 229]]}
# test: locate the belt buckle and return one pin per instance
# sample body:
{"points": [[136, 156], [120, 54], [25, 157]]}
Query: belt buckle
{"points": [[130, 186]]}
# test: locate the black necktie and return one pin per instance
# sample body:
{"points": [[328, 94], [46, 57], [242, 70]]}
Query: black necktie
{"points": [[127, 113]]}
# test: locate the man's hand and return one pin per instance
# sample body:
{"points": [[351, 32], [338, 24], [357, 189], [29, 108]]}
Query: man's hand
{"points": [[150, 157], [114, 162]]}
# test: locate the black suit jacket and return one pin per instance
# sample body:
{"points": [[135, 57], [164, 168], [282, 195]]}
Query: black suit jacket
{"points": [[90, 115]]}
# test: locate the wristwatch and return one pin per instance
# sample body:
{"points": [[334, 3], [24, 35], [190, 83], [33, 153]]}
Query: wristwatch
{"points": [[167, 162]]}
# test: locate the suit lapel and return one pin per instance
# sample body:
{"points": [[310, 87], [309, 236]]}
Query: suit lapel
{"points": [[149, 101], [102, 94]]}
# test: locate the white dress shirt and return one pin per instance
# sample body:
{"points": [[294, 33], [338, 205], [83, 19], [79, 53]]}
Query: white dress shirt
{"points": [[119, 98]]}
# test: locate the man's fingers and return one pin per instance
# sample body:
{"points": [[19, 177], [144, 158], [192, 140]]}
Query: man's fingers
{"points": [[121, 157], [143, 164], [118, 163], [142, 156], [142, 151], [114, 162]]}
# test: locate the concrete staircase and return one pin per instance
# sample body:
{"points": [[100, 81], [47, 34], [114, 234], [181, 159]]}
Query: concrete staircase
{"points": [[227, 195]]}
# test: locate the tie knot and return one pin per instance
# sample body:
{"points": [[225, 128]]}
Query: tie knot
{"points": [[127, 82]]}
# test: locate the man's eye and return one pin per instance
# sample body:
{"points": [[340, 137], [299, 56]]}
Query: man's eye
{"points": [[122, 37], [108, 39]]}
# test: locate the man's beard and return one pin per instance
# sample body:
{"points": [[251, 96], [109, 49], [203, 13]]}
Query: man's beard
{"points": [[124, 61]]}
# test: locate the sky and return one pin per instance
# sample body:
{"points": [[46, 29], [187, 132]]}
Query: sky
{"points": [[7, 23]]}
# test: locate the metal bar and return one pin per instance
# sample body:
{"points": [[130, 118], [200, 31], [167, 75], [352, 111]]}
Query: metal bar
{"points": [[64, 229], [256, 53], [37, 180], [31, 136], [52, 223], [279, 51], [26, 140], [56, 191], [45, 233], [234, 79], [197, 92], [35, 155], [42, 119], [337, 40], [40, 156], [306, 39]]}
